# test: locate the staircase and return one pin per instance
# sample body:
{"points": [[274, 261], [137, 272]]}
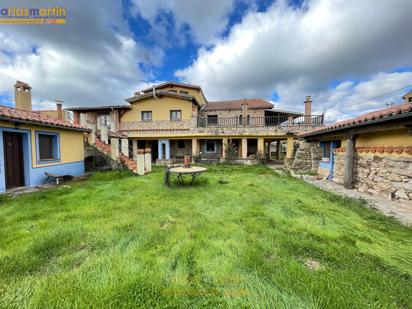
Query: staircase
{"points": [[129, 163], [106, 149]]}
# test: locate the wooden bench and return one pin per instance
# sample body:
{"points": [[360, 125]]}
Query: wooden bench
{"points": [[57, 177]]}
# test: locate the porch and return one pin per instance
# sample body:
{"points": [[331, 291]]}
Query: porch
{"points": [[239, 150]]}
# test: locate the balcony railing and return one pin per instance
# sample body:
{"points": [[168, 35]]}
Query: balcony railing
{"points": [[279, 120]]}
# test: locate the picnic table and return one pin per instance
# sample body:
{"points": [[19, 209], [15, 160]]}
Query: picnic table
{"points": [[193, 171]]}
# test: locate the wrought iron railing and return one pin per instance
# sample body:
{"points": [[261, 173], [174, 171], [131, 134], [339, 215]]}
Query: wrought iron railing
{"points": [[279, 120]]}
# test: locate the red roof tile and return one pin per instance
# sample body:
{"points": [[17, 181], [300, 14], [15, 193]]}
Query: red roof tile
{"points": [[237, 104], [365, 119], [20, 115]]}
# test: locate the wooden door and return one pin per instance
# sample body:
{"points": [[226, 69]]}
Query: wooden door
{"points": [[13, 159]]}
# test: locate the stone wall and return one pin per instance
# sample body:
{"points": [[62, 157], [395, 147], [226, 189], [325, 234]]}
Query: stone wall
{"points": [[383, 175], [306, 157], [179, 153]]}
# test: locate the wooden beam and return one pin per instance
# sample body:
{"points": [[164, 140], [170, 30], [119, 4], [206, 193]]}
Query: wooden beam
{"points": [[348, 179]]}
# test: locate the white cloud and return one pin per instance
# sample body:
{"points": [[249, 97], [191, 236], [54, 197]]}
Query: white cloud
{"points": [[300, 51], [91, 60], [205, 19], [348, 98]]}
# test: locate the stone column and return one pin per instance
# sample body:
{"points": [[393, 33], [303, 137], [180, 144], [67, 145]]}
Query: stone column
{"points": [[289, 147], [125, 147], [261, 146], [134, 144], [194, 147], [278, 149], [140, 162], [348, 180], [115, 148], [244, 148], [148, 160], [224, 145]]}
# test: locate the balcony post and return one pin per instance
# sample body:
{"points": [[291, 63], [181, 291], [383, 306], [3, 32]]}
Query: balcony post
{"points": [[244, 148]]}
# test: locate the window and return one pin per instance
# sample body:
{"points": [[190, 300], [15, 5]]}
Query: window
{"points": [[210, 146], [184, 92], [172, 90], [410, 99], [47, 146], [147, 116], [181, 144], [212, 119], [176, 115]]}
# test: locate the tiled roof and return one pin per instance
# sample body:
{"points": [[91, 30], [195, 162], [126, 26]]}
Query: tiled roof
{"points": [[86, 108], [160, 93], [20, 115], [365, 119], [237, 104], [167, 84]]}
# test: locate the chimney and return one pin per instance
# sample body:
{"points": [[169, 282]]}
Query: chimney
{"points": [[245, 107], [308, 106], [22, 92], [308, 110], [59, 108]]}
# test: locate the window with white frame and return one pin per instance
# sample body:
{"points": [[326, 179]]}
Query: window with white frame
{"points": [[147, 116], [210, 146], [175, 115]]}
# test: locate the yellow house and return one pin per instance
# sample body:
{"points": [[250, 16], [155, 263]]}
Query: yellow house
{"points": [[32, 144], [371, 153], [173, 120]]}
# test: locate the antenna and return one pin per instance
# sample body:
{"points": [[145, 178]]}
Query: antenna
{"points": [[389, 105]]}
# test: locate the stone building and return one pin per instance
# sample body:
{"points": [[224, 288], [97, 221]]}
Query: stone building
{"points": [[173, 120], [371, 153]]}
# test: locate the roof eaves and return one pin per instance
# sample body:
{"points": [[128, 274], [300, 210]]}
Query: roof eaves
{"points": [[45, 124], [354, 124]]}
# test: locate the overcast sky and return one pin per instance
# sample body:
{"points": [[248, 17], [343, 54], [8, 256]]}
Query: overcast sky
{"points": [[341, 52]]}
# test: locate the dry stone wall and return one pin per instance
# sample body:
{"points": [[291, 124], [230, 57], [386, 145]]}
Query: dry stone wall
{"points": [[386, 176], [306, 158]]}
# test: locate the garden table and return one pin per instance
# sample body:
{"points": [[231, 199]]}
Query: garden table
{"points": [[194, 171]]}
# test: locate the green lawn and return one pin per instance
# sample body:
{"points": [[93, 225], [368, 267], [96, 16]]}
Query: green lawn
{"points": [[260, 240]]}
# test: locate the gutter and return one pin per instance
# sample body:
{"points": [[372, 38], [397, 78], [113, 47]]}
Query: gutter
{"points": [[356, 125], [42, 124]]}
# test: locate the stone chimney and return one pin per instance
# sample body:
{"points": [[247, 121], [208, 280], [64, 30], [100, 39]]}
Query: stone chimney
{"points": [[308, 110], [245, 107], [22, 92], [59, 108], [308, 106]]}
